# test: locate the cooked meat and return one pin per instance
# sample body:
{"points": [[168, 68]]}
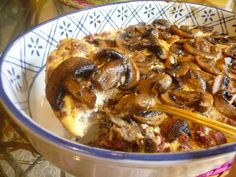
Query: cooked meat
{"points": [[206, 138]]}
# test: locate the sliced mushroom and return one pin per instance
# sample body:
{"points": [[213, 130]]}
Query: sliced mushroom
{"points": [[118, 68], [231, 51], [205, 102], [165, 35], [151, 34], [142, 60], [208, 65], [168, 37], [194, 80], [192, 65], [108, 54], [149, 117], [110, 74], [221, 82], [181, 98], [131, 32], [128, 133], [130, 38], [81, 90], [186, 58], [178, 70], [145, 85], [75, 67], [158, 67], [221, 39], [191, 32], [173, 39], [172, 128], [185, 98], [171, 61], [181, 32], [134, 103], [158, 51], [202, 49], [166, 99], [139, 28], [162, 83], [104, 42], [196, 32], [132, 76], [225, 102], [177, 49], [205, 75], [161, 24], [120, 121]]}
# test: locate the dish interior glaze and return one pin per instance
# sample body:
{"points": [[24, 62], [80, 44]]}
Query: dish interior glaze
{"points": [[23, 62]]}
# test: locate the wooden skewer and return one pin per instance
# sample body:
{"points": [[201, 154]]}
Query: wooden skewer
{"points": [[197, 118]]}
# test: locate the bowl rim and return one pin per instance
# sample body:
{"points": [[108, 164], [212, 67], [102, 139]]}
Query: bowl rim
{"points": [[88, 150]]}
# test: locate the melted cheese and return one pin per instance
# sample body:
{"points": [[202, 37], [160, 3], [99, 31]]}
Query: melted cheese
{"points": [[78, 120]]}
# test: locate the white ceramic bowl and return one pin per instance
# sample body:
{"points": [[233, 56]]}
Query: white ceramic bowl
{"points": [[22, 91]]}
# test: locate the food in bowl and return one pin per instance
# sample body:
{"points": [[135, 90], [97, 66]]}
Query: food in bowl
{"points": [[114, 79]]}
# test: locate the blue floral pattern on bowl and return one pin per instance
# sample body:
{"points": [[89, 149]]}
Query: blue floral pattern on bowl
{"points": [[122, 13], [65, 29], [34, 46], [25, 58]]}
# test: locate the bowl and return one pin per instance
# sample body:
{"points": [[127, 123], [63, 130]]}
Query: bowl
{"points": [[22, 72]]}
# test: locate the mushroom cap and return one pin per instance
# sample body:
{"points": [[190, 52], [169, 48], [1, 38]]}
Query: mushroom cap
{"points": [[200, 47], [161, 24], [181, 32], [110, 74], [172, 128], [225, 102], [108, 54], [150, 117], [132, 75], [117, 68], [230, 51], [76, 67]]}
